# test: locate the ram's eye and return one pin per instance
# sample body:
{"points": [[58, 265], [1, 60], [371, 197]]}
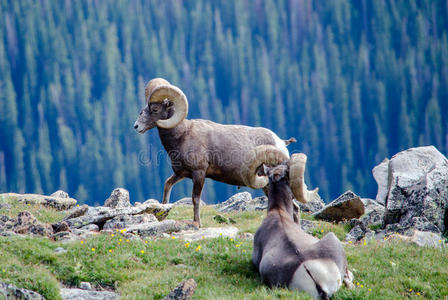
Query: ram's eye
{"points": [[155, 110]]}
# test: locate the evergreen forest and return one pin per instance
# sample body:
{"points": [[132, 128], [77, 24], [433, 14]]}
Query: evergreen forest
{"points": [[353, 81]]}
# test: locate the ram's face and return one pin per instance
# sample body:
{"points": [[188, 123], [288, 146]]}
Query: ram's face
{"points": [[150, 114]]}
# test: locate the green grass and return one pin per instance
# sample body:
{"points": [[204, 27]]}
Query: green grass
{"points": [[221, 267], [42, 213]]}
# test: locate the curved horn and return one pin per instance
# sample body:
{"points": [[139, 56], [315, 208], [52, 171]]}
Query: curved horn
{"points": [[158, 90], [264, 154], [296, 178]]}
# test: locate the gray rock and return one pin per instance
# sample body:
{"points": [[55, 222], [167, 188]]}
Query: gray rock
{"points": [[150, 201], [65, 236], [48, 201], [183, 291], [345, 207], [188, 201], [243, 202], [60, 250], [125, 221], [79, 294], [119, 198], [85, 285], [315, 204], [374, 212], [10, 291], [207, 233], [159, 228], [413, 184], [100, 215], [76, 212], [90, 227], [60, 194]]}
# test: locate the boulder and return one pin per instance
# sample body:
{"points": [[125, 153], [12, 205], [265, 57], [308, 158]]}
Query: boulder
{"points": [[243, 202], [60, 194], [413, 185], [126, 221], [315, 204], [420, 238], [119, 198], [346, 207], [80, 294], [188, 201], [183, 291], [49, 201], [10, 291], [207, 233]]}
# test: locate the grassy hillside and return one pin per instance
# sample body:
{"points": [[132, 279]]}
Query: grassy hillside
{"points": [[150, 269]]}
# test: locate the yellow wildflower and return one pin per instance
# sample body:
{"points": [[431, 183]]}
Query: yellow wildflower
{"points": [[4, 270], [369, 289], [82, 242], [198, 248], [120, 240], [127, 241], [116, 229], [418, 293], [110, 250], [173, 237], [112, 235], [231, 240], [237, 245], [93, 249], [187, 245], [357, 283], [142, 252], [146, 242], [365, 243], [77, 205], [322, 230], [362, 286], [349, 242]]}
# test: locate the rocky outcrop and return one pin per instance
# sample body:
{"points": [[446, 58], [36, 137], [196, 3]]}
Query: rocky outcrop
{"points": [[183, 291], [127, 221], [243, 202], [100, 215], [374, 213], [346, 207], [10, 291], [413, 185], [48, 201]]}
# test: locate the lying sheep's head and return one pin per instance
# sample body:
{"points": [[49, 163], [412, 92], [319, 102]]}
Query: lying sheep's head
{"points": [[166, 106], [294, 172]]}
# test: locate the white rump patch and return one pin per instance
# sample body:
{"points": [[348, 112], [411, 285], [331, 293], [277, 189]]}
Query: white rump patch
{"points": [[280, 144], [324, 272]]}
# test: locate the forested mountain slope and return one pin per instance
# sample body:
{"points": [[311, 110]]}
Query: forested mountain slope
{"points": [[353, 81]]}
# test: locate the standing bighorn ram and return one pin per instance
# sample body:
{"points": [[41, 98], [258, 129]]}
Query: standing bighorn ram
{"points": [[200, 148], [283, 253]]}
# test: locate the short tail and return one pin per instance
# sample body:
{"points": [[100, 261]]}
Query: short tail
{"points": [[290, 140]]}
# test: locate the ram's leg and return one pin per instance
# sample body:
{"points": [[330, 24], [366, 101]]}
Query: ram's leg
{"points": [[198, 183], [172, 180]]}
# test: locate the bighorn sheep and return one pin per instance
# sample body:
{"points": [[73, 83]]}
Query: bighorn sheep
{"points": [[200, 148], [283, 253]]}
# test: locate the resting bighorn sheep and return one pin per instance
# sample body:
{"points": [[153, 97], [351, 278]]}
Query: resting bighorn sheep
{"points": [[283, 253], [200, 148]]}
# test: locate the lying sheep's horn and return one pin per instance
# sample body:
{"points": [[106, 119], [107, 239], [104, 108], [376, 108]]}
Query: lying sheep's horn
{"points": [[158, 90], [264, 154], [296, 178]]}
